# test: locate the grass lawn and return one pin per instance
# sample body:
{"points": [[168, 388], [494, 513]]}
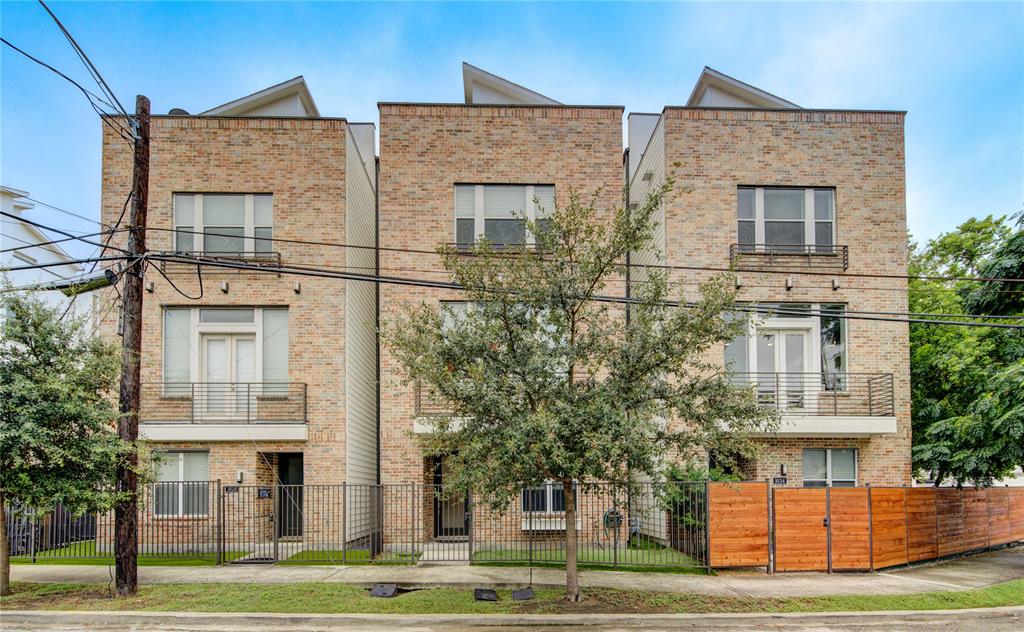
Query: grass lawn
{"points": [[341, 598], [351, 556], [650, 557], [85, 553]]}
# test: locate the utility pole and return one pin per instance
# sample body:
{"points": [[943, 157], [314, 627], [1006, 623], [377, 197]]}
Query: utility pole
{"points": [[126, 535]]}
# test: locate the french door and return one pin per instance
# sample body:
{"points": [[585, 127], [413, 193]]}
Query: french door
{"points": [[783, 365], [229, 375]]}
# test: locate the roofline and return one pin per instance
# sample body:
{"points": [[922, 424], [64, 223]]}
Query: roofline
{"points": [[294, 81], [506, 105], [788, 110], [644, 114], [490, 75], [15, 192], [721, 76], [242, 117]]}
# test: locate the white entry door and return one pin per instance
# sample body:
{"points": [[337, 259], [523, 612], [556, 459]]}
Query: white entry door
{"points": [[783, 367], [229, 373]]}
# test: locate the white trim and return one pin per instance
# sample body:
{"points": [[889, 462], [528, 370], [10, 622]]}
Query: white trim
{"points": [[828, 480], [829, 426], [756, 96], [199, 220], [479, 219], [517, 94], [809, 220], [264, 431], [245, 104]]}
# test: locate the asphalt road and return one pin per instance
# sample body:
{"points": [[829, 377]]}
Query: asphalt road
{"points": [[995, 619]]}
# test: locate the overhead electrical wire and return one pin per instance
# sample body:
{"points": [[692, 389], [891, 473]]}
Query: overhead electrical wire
{"points": [[59, 231], [407, 281]]}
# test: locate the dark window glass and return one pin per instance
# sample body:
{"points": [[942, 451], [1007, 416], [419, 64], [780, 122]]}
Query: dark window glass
{"points": [[464, 232], [223, 239], [534, 499], [746, 233], [823, 237], [833, 347], [745, 203], [262, 242], [184, 241], [505, 232], [784, 233]]}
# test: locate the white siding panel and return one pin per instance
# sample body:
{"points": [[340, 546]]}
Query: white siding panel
{"points": [[653, 162], [360, 333]]}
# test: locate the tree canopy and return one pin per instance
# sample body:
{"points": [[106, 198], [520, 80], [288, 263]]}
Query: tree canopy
{"points": [[548, 380], [967, 384], [57, 442]]}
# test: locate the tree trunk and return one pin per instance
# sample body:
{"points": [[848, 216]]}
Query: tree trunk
{"points": [[572, 577], [5, 550]]}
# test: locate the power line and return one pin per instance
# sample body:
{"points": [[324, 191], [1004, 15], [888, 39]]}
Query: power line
{"points": [[88, 64], [66, 212], [57, 230], [305, 242], [40, 266], [120, 130], [375, 278], [51, 242]]}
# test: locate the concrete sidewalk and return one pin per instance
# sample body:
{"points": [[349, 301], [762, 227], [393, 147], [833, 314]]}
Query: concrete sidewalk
{"points": [[959, 574]]}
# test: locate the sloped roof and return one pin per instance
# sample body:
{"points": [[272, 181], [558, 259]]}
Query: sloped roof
{"points": [[473, 77], [716, 86], [246, 104]]}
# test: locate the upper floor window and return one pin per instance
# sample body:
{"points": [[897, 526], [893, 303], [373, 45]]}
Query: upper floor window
{"points": [[498, 212], [784, 219], [223, 223]]}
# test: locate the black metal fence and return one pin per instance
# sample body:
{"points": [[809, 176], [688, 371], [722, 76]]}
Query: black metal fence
{"points": [[648, 526]]}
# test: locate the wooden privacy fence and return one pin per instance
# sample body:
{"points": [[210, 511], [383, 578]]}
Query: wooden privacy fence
{"points": [[855, 528]]}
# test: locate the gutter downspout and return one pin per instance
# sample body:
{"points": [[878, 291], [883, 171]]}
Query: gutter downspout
{"points": [[376, 292]]}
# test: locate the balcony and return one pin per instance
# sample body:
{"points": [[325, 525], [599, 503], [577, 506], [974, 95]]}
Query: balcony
{"points": [[265, 259], [816, 404], [193, 411], [760, 256]]}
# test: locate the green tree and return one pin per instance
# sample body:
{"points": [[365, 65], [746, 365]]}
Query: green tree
{"points": [[549, 381], [967, 384], [56, 414]]}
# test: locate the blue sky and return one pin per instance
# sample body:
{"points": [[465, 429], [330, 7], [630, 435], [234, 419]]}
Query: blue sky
{"points": [[957, 68]]}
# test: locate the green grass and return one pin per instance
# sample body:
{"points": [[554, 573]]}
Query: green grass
{"points": [[644, 556], [85, 553], [341, 598], [351, 556]]}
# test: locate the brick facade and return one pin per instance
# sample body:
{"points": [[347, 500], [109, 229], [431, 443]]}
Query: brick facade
{"points": [[302, 163], [711, 152]]}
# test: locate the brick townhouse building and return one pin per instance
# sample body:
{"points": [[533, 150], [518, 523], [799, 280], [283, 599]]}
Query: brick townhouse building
{"points": [[269, 377], [252, 378]]}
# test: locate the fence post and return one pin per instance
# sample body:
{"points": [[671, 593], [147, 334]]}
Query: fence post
{"points": [[529, 536], [707, 525], [31, 535], [769, 513], [412, 525], [615, 538], [275, 511], [470, 522], [828, 525], [219, 525], [344, 523], [772, 546], [871, 533]]}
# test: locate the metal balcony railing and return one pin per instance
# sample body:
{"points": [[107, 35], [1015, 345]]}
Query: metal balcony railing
{"points": [[219, 402], [262, 259], [824, 394], [771, 254]]}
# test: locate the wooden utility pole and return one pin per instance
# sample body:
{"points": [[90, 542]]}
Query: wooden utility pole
{"points": [[126, 534]]}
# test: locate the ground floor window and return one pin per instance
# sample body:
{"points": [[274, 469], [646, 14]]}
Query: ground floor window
{"points": [[831, 467], [182, 484], [547, 498]]}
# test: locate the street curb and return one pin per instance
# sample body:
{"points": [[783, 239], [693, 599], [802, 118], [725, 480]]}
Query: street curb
{"points": [[96, 619]]}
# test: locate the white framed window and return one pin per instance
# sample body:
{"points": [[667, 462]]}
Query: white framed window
{"points": [[547, 498], [830, 467], [224, 346], [786, 219], [224, 223], [182, 488], [793, 343], [499, 212]]}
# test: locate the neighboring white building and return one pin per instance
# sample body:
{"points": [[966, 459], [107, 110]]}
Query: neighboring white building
{"points": [[28, 239]]}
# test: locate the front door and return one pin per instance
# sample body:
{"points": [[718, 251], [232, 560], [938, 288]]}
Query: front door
{"points": [[449, 509], [289, 500], [782, 366], [229, 373]]}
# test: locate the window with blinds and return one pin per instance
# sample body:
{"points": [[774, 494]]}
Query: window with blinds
{"points": [[224, 223], [182, 485], [500, 212], [794, 220]]}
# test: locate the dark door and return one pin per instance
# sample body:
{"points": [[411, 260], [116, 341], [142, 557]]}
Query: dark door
{"points": [[289, 500], [449, 509]]}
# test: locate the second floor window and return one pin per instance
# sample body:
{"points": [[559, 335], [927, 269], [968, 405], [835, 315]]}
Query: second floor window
{"points": [[785, 220], [223, 223], [499, 212]]}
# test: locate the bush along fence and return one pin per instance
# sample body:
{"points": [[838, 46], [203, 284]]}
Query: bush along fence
{"points": [[856, 528], [209, 522]]}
